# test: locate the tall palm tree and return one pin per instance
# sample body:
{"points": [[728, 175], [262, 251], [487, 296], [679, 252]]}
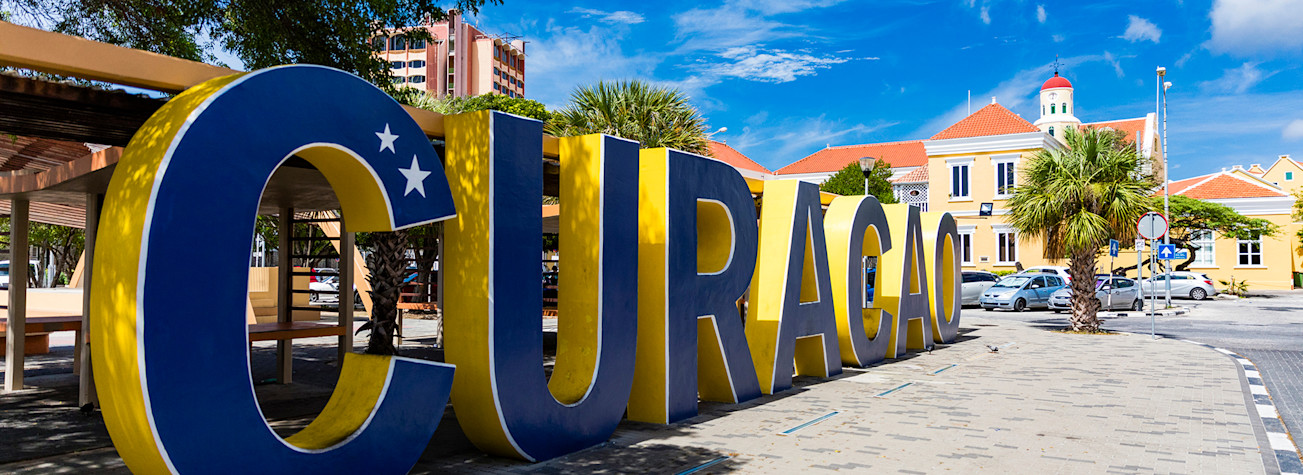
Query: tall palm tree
{"points": [[635, 110], [1075, 199]]}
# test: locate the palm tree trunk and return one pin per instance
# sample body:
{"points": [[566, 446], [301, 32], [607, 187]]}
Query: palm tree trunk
{"points": [[387, 264], [1084, 304]]}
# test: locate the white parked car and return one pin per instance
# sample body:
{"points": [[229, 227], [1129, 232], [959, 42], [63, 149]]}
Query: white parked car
{"points": [[1184, 284], [1060, 271], [976, 282], [324, 289], [4, 272]]}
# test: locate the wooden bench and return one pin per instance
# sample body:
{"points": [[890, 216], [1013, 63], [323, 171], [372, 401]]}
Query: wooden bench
{"points": [[293, 330], [38, 329]]}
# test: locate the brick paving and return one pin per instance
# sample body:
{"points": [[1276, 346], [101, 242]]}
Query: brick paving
{"points": [[1045, 402]]}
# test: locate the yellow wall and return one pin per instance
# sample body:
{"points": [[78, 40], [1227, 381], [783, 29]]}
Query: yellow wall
{"points": [[1276, 174]]}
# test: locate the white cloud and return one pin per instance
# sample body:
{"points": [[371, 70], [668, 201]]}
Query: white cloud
{"points": [[1040, 13], [1293, 131], [1238, 80], [623, 16], [1058, 38], [1256, 27], [1140, 29], [777, 144], [570, 56], [986, 14], [775, 66], [1117, 66]]}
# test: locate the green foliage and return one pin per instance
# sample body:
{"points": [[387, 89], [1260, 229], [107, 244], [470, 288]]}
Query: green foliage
{"points": [[1074, 199], [261, 33], [1002, 273], [457, 105], [1238, 288], [1189, 217], [635, 110], [51, 245], [850, 181]]}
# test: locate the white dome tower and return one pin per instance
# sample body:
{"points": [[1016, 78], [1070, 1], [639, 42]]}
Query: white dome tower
{"points": [[1057, 107]]}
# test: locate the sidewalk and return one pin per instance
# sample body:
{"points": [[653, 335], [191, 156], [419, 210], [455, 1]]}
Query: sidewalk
{"points": [[1045, 402]]}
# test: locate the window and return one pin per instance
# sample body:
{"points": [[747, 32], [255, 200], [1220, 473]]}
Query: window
{"points": [[379, 43], [1006, 247], [397, 65], [966, 249], [416, 79], [418, 44], [1042, 110], [511, 93], [497, 53], [1204, 256], [959, 180], [398, 43], [416, 64], [1250, 252], [1053, 109], [1289, 176], [497, 72], [399, 79], [1004, 178], [496, 87], [1064, 108], [1051, 131]]}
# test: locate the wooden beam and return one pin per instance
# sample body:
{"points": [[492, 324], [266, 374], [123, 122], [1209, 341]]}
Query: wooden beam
{"points": [[86, 384], [284, 297], [17, 331]]}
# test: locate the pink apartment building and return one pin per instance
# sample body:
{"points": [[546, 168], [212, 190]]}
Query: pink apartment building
{"points": [[458, 60]]}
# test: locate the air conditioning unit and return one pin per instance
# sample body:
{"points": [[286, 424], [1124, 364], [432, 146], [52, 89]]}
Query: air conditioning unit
{"points": [[983, 259]]}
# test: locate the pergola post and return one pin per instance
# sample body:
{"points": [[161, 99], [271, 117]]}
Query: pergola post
{"points": [[86, 383], [346, 244], [17, 332], [285, 296]]}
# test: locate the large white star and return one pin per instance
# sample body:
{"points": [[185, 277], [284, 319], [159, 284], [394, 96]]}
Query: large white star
{"points": [[387, 139], [415, 178]]}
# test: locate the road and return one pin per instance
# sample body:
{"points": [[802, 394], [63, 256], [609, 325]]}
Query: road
{"points": [[1266, 328]]}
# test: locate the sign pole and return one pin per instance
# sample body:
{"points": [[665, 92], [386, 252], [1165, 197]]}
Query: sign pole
{"points": [[1153, 293]]}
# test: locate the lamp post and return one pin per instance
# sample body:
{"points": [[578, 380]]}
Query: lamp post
{"points": [[1161, 103], [866, 166], [711, 135]]}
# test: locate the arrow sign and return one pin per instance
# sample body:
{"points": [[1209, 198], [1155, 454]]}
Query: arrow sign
{"points": [[1113, 247], [1166, 251]]}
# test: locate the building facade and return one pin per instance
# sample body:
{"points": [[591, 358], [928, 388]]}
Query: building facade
{"points": [[458, 60]]}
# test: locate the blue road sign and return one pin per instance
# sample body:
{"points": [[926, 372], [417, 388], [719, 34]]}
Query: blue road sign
{"points": [[1181, 254], [1167, 251], [1113, 247]]}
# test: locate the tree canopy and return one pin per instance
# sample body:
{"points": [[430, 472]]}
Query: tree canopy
{"points": [[261, 33], [457, 105], [1188, 218], [1074, 199], [654, 116], [850, 181]]}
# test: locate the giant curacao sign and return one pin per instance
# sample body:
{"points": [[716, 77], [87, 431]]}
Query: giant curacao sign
{"points": [[660, 247]]}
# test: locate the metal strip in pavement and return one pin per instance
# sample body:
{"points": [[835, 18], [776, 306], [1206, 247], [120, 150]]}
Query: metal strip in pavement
{"points": [[809, 423], [943, 369], [892, 390], [704, 466]]}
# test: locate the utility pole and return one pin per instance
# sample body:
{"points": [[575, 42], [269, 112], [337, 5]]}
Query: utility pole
{"points": [[1161, 101]]}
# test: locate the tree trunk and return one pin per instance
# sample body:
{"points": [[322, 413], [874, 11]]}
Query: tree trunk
{"points": [[1085, 306], [387, 265]]}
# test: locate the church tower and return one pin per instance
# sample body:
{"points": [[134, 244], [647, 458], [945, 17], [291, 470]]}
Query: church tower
{"points": [[1057, 107]]}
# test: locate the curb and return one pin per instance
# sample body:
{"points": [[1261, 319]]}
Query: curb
{"points": [[1172, 312], [1287, 453]]}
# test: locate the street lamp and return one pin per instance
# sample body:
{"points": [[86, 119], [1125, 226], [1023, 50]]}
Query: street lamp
{"points": [[866, 166], [720, 131], [1161, 103]]}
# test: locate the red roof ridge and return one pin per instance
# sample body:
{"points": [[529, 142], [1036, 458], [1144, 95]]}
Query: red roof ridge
{"points": [[818, 154], [1209, 179], [993, 119], [869, 144], [746, 162]]}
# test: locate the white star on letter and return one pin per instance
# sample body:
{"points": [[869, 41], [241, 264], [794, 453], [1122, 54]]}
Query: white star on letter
{"points": [[415, 178], [387, 139]]}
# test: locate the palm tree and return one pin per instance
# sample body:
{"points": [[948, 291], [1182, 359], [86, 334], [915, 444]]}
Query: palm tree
{"points": [[1075, 199], [388, 265], [654, 116]]}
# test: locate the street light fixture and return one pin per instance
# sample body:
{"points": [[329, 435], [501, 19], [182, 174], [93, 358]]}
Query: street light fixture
{"points": [[1161, 103], [719, 131], [866, 166]]}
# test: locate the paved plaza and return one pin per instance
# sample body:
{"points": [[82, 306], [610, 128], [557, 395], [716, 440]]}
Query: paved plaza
{"points": [[1044, 401]]}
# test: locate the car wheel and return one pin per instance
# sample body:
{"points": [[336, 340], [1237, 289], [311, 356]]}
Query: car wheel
{"points": [[1198, 294], [1058, 311], [1137, 305], [1019, 305], [987, 309]]}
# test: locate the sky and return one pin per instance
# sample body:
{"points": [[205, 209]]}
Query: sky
{"points": [[789, 77]]}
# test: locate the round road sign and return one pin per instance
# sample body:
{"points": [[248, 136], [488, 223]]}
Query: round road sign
{"points": [[1152, 225]]}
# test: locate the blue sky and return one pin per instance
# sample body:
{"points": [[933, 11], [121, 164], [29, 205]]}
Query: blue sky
{"points": [[788, 77]]}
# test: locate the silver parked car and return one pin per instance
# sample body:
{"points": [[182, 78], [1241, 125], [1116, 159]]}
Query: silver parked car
{"points": [[1184, 284], [1113, 292], [1019, 292], [976, 282]]}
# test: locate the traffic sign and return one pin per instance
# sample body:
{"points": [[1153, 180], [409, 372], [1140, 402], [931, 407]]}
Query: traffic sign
{"points": [[1152, 225], [1167, 251], [1113, 247], [1181, 254]]}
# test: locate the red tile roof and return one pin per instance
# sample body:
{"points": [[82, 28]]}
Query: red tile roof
{"points": [[1224, 185], [993, 119], [897, 154], [1132, 127], [917, 175], [727, 154]]}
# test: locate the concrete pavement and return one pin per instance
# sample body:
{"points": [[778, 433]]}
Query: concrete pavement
{"points": [[1044, 402]]}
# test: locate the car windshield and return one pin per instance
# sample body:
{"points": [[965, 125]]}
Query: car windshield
{"points": [[1100, 282], [1012, 282]]}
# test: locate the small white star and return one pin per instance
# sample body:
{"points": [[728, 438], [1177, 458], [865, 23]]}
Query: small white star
{"points": [[387, 139], [415, 178]]}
